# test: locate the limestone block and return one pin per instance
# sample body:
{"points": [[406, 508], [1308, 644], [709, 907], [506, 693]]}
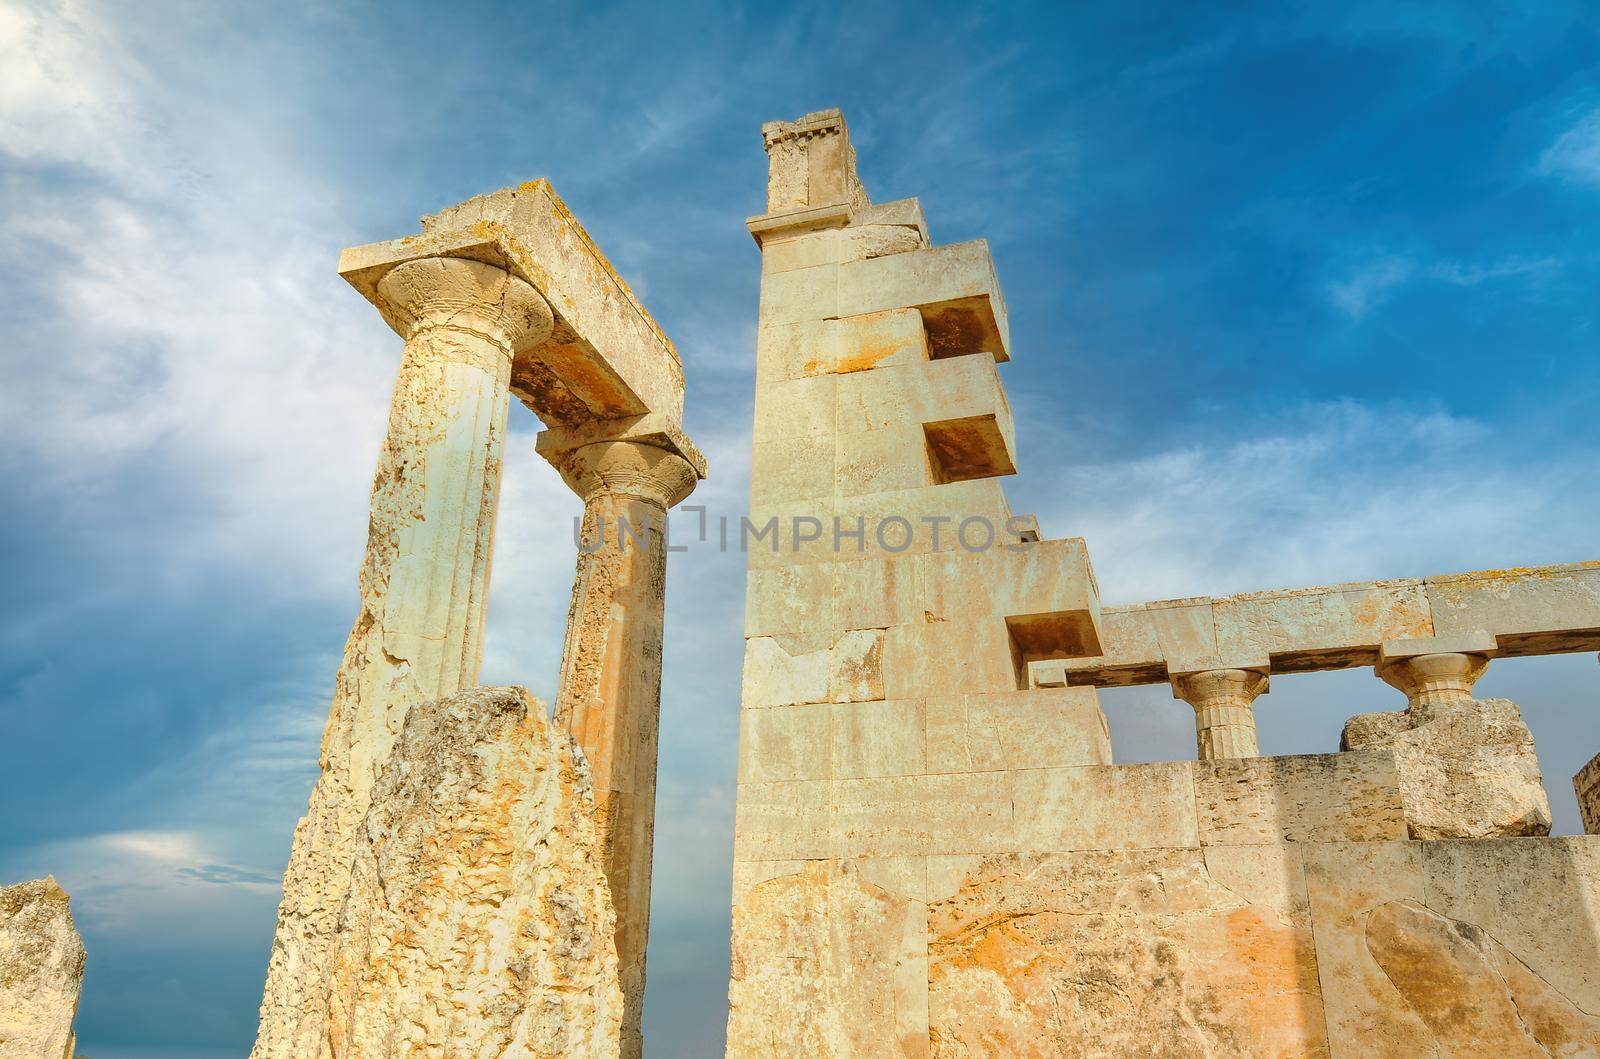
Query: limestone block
{"points": [[796, 408], [905, 212], [884, 738], [1105, 807], [1470, 772], [810, 162], [478, 920], [923, 815], [1539, 898], [878, 593], [1344, 881], [925, 392], [848, 670], [917, 521], [1309, 626], [823, 599], [792, 468], [807, 295], [932, 658], [750, 873], [795, 600], [954, 287], [1016, 730], [1532, 610], [41, 971], [878, 461], [1130, 650], [1587, 786], [826, 964], [891, 338], [1310, 798], [1457, 948], [785, 743], [1169, 952], [787, 532], [790, 820], [789, 351], [1044, 589]]}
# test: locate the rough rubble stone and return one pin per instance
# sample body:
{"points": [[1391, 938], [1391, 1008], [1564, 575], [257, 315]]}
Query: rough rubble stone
{"points": [[41, 971], [478, 921], [1469, 772]]}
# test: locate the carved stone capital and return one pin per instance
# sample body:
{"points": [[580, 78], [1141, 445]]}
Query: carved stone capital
{"points": [[627, 468], [1434, 682], [460, 294], [1224, 711]]}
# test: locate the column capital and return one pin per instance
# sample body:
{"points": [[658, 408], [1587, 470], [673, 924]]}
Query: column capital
{"points": [[462, 294], [1432, 682], [628, 468], [1224, 714]]}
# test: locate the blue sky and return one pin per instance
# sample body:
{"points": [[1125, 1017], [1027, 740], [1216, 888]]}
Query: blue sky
{"points": [[1299, 293]]}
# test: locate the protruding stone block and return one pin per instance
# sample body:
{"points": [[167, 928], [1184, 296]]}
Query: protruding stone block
{"points": [[41, 971], [1466, 771], [1587, 785], [478, 912]]}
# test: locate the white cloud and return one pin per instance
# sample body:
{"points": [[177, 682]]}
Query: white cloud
{"points": [[1575, 155], [1321, 493], [1373, 283]]}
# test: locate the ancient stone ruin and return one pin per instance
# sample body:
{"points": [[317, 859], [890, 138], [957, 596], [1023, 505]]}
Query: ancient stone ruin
{"points": [[935, 853], [464, 883], [41, 971]]}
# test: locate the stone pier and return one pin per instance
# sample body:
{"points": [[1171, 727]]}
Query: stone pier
{"points": [[501, 296], [934, 853]]}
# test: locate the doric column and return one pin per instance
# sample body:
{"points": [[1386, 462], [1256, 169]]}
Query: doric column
{"points": [[424, 586], [1433, 682], [1224, 711], [610, 692]]}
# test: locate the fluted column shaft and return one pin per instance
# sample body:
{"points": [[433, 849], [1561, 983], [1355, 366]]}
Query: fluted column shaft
{"points": [[610, 692], [1224, 710], [424, 589], [1434, 682]]}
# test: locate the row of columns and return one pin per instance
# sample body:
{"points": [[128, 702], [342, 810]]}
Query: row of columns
{"points": [[464, 321], [1224, 699]]}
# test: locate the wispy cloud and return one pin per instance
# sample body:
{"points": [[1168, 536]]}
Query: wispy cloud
{"points": [[1373, 283], [1575, 155]]}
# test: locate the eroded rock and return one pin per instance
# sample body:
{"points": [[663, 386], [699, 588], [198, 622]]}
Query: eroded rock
{"points": [[478, 922], [1468, 771], [41, 971]]}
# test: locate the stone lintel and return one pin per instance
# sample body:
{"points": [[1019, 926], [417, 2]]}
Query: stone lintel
{"points": [[1495, 613], [606, 357]]}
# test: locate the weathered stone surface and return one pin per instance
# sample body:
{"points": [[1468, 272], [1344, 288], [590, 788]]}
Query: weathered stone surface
{"points": [[1586, 784], [1150, 953], [41, 971], [1311, 798], [478, 922], [826, 964], [1530, 611], [1458, 948], [424, 592], [1469, 772]]}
